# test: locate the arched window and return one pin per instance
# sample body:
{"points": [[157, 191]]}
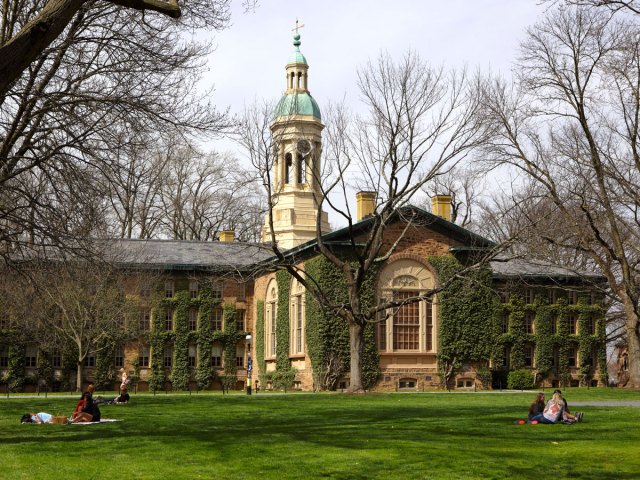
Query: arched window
{"points": [[296, 318], [409, 326], [302, 170], [299, 79], [288, 166], [270, 313]]}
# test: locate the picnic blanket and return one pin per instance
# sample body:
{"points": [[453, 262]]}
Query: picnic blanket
{"points": [[103, 420]]}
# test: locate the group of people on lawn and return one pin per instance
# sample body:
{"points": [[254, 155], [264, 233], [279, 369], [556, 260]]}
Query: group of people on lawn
{"points": [[555, 410], [86, 409]]}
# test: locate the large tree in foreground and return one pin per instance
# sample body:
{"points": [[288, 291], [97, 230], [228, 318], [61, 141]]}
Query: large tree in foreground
{"points": [[114, 81], [420, 121], [570, 124]]}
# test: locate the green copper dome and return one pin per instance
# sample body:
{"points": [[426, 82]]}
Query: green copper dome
{"points": [[297, 104]]}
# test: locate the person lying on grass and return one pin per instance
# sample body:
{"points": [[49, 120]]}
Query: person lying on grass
{"points": [[41, 417]]}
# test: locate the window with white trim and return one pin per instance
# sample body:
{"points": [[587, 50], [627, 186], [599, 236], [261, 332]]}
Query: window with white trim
{"points": [[216, 355], [296, 316], [409, 326], [270, 312]]}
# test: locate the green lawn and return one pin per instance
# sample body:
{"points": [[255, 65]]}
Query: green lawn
{"points": [[299, 436]]}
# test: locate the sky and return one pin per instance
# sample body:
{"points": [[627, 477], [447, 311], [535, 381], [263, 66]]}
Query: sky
{"points": [[340, 36]]}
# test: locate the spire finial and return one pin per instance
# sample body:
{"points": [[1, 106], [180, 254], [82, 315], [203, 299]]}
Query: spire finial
{"points": [[296, 37]]}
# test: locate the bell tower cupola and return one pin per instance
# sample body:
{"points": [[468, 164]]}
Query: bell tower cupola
{"points": [[296, 130]]}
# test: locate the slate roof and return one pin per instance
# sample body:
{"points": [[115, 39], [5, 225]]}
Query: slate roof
{"points": [[189, 255], [504, 267]]}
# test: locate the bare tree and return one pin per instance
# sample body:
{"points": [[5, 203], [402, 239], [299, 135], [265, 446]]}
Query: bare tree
{"points": [[464, 185], [112, 81], [29, 27], [570, 124], [421, 121]]}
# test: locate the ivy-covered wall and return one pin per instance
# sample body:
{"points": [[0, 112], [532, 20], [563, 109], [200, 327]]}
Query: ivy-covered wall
{"points": [[551, 336], [467, 310], [328, 335]]}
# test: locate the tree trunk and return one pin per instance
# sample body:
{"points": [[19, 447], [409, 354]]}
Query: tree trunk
{"points": [[79, 376], [18, 53], [356, 343], [633, 341]]}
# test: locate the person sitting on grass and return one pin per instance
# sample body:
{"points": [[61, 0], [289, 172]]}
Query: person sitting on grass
{"points": [[552, 412], [41, 417], [123, 397], [537, 406], [90, 411], [567, 417]]}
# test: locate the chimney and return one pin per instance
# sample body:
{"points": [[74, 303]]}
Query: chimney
{"points": [[227, 235], [365, 205], [441, 206]]}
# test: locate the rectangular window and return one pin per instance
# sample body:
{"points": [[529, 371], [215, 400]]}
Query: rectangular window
{"points": [[169, 289], [56, 359], [592, 359], [242, 291], [216, 356], [90, 360], [240, 320], [505, 322], [4, 356], [168, 356], [192, 355], [553, 294], [528, 322], [528, 356], [217, 291], [31, 357], [240, 357], [144, 319], [272, 332], [143, 356], [590, 325], [572, 354], [299, 318], [528, 295], [504, 295], [118, 360], [193, 289], [381, 332], [555, 357], [168, 319], [406, 323], [571, 323], [216, 319], [193, 319], [428, 324], [571, 297], [554, 324], [593, 297], [506, 353]]}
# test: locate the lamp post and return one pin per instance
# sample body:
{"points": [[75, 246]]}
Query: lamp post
{"points": [[249, 364]]}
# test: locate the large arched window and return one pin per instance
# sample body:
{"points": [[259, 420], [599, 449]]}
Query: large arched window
{"points": [[408, 327], [270, 313], [296, 318]]}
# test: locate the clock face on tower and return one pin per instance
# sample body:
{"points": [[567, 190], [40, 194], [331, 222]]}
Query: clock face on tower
{"points": [[303, 147]]}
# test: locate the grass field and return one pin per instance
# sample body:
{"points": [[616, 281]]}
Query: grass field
{"points": [[301, 436]]}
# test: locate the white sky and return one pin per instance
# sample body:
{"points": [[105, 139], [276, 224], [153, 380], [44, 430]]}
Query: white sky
{"points": [[340, 36]]}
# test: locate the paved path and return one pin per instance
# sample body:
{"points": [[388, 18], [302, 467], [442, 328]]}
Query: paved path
{"points": [[607, 403]]}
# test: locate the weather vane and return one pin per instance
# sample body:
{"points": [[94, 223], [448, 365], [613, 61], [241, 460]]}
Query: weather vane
{"points": [[297, 27]]}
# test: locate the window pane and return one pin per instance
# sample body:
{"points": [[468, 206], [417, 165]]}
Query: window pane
{"points": [[406, 323]]}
